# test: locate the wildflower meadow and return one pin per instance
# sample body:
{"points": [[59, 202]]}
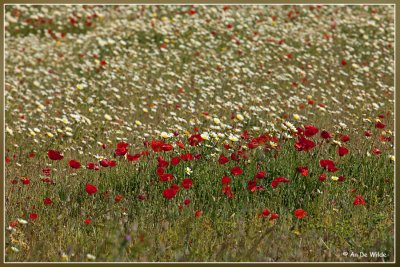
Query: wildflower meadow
{"points": [[199, 133]]}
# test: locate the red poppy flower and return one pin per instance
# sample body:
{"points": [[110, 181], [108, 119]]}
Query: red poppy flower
{"points": [[198, 213], [180, 144], [225, 180], [118, 198], [252, 185], [310, 130], [156, 145], [87, 221], [223, 160], [260, 175], [46, 171], [252, 144], [303, 144], [54, 155], [187, 183], [266, 213], [25, 180], [112, 163], [303, 170], [279, 180], [74, 164], [344, 138], [186, 157], [122, 145], [33, 216], [166, 177], [167, 147], [300, 213], [105, 163], [195, 139], [92, 166], [91, 189], [344, 62], [227, 146], [162, 163], [175, 160], [236, 170], [384, 138], [227, 191], [160, 171], [47, 201], [175, 187], [186, 202], [358, 200], [274, 216], [13, 224], [245, 135], [328, 164], [376, 151], [121, 149], [342, 151], [326, 135], [322, 177], [379, 125], [135, 157], [169, 193], [368, 133]]}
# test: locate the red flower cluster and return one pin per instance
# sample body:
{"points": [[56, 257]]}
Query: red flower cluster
{"points": [[279, 180], [328, 164], [170, 192], [358, 200], [91, 189], [266, 213], [300, 213], [54, 155]]}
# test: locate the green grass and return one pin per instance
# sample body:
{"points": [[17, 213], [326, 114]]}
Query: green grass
{"points": [[142, 82]]}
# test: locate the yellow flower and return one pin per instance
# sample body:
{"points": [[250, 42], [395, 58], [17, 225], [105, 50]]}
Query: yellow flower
{"points": [[296, 232], [107, 117], [239, 117], [233, 138], [50, 135], [335, 178], [188, 171], [138, 123], [296, 117], [90, 257], [64, 257], [165, 135], [205, 136]]}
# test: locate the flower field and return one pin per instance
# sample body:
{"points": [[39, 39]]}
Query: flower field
{"points": [[199, 133]]}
